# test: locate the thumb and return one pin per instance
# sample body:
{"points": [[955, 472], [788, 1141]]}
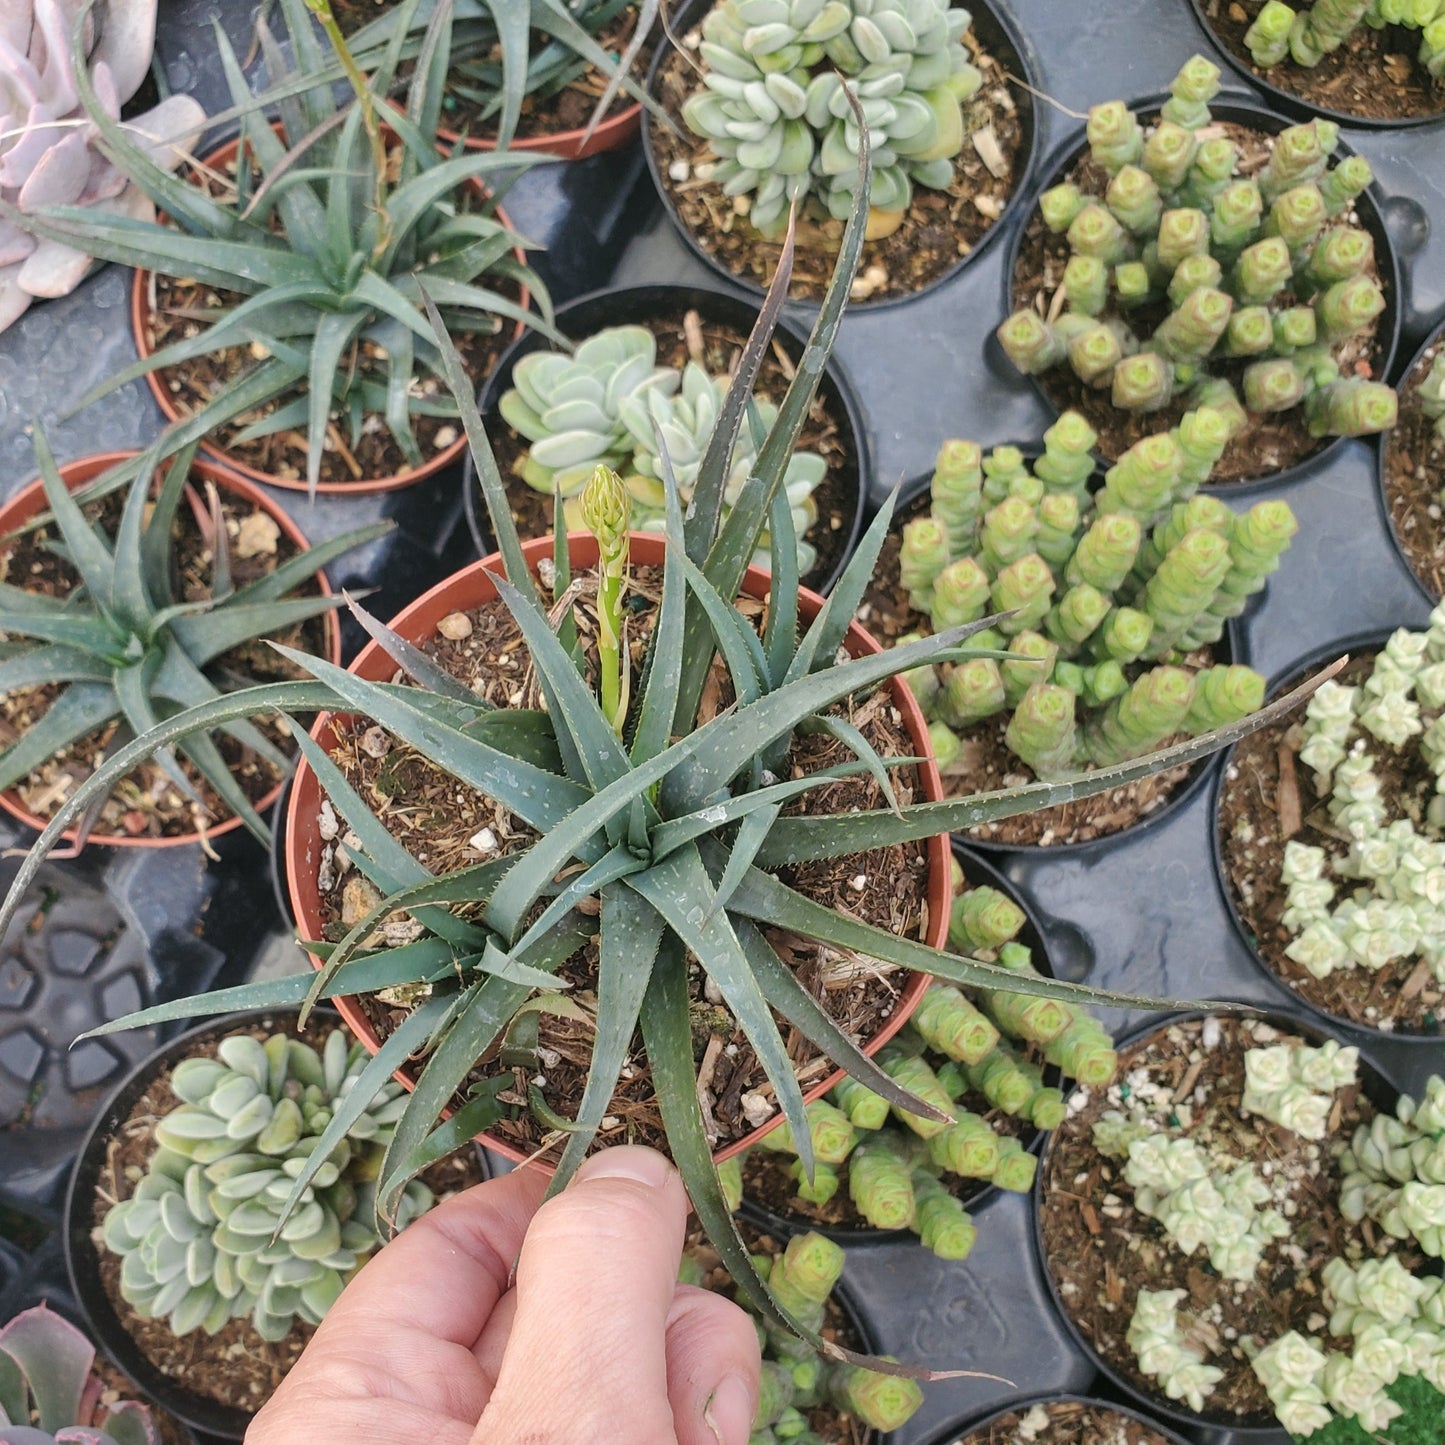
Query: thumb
{"points": [[586, 1358]]}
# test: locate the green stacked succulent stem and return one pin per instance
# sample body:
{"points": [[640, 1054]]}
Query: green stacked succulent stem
{"points": [[1135, 578], [1311, 31], [1215, 270]]}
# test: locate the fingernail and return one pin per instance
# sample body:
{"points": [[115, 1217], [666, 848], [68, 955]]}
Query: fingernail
{"points": [[628, 1161], [729, 1412]]}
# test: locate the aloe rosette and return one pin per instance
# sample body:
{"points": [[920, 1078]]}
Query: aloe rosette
{"points": [[671, 837], [204, 1237], [1193, 278], [323, 270], [1108, 592], [124, 647], [50, 151]]}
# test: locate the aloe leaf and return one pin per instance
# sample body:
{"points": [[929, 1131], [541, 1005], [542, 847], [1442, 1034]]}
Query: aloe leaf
{"points": [[221, 586], [476, 1028], [825, 636], [207, 759], [207, 635], [132, 686], [413, 1033], [800, 840], [340, 219], [482, 1112], [335, 331], [89, 554], [647, 12], [765, 899], [664, 660], [630, 937], [51, 662], [860, 747], [734, 635], [494, 493], [618, 863], [788, 997], [180, 680], [303, 566], [554, 17], [400, 369], [561, 581], [412, 660], [428, 78], [89, 634], [317, 100], [80, 709], [674, 888], [130, 597], [512, 22], [446, 291], [521, 733], [780, 631], [751, 835], [728, 743]]}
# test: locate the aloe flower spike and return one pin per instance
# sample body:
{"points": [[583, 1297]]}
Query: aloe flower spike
{"points": [[604, 513], [942, 1223], [1351, 408], [1268, 37]]}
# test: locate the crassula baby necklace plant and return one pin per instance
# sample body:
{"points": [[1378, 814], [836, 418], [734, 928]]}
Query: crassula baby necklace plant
{"points": [[1188, 279], [1412, 467], [663, 817], [1309, 33], [49, 1391], [1108, 594]]}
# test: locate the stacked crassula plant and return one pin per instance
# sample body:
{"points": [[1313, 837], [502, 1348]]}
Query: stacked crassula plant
{"points": [[609, 403], [1310, 33], [981, 1047], [206, 1236], [48, 1391], [1376, 898], [321, 272], [668, 828], [1105, 592], [124, 647], [794, 1379], [1432, 394], [49, 153], [1186, 275], [776, 110]]}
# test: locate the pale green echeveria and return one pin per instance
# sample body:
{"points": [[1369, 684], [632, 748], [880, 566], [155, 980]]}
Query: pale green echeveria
{"points": [[49, 1392], [776, 112], [684, 419], [205, 1237], [570, 407]]}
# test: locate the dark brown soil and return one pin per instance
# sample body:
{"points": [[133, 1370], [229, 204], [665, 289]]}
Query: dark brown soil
{"points": [[939, 230], [1270, 443], [1414, 473], [768, 1182], [683, 337], [1375, 74], [986, 762], [146, 803], [1265, 783], [833, 1425], [235, 1366], [1068, 1422], [1101, 1251], [427, 810], [569, 109]]}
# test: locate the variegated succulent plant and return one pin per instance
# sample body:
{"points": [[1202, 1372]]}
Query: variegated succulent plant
{"points": [[49, 154], [50, 1392], [204, 1238]]}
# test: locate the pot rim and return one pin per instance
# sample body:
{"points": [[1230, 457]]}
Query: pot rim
{"points": [[973, 1424], [1374, 1083], [140, 310], [1293, 103], [76, 474], [1007, 36], [1247, 111], [472, 581], [1382, 451], [984, 872], [82, 1258], [652, 298], [1309, 662]]}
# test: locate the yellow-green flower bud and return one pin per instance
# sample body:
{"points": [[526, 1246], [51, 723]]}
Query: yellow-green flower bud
{"points": [[1030, 342], [1190, 93], [1086, 284], [923, 555], [1348, 307], [955, 493], [1058, 515], [1124, 635], [1016, 1167], [1223, 695], [1182, 232], [1152, 710], [1096, 232], [1273, 385], [1106, 552], [1297, 217], [1237, 215]]}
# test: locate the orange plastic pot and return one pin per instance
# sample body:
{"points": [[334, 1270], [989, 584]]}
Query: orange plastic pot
{"points": [[140, 312], [29, 502], [470, 588]]}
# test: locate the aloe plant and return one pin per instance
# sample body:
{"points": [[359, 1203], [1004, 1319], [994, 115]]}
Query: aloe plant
{"points": [[675, 829], [324, 250], [50, 156], [124, 647], [49, 1392]]}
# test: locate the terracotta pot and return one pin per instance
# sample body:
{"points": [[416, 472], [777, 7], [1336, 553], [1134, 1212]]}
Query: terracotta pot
{"points": [[568, 145], [30, 501], [469, 588], [141, 309]]}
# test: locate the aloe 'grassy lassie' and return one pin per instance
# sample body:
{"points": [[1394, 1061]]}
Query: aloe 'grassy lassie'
{"points": [[672, 828]]}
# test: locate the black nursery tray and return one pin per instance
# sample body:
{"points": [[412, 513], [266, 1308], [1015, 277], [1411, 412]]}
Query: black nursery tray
{"points": [[1143, 913]]}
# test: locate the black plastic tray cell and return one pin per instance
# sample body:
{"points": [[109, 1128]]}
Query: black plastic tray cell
{"points": [[582, 317], [999, 36], [957, 1434]]}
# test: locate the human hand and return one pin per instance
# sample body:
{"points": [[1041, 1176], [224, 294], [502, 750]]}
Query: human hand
{"points": [[592, 1343]]}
